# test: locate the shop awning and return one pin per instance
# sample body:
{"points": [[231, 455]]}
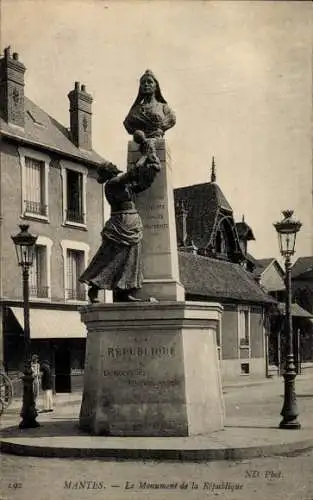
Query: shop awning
{"points": [[52, 324], [296, 310]]}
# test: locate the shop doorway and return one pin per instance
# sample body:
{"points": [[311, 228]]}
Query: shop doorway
{"points": [[62, 367]]}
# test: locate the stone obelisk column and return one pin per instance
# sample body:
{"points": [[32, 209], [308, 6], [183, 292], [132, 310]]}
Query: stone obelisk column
{"points": [[156, 209]]}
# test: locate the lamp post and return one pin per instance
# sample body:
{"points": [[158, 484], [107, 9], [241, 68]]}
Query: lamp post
{"points": [[287, 231], [25, 245]]}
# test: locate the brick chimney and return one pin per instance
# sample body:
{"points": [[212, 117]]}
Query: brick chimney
{"points": [[12, 89], [80, 116]]}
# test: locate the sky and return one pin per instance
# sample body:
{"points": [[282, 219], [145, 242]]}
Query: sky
{"points": [[237, 74]]}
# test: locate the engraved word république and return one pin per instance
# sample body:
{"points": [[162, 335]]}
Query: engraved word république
{"points": [[140, 352]]}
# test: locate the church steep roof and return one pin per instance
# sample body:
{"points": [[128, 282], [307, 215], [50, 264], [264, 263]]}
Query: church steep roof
{"points": [[244, 231], [204, 193], [206, 206], [203, 202]]}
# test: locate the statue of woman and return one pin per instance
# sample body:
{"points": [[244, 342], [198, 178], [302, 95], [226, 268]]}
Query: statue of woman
{"points": [[117, 265], [150, 112]]}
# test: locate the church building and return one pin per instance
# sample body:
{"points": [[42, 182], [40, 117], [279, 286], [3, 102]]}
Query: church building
{"points": [[214, 266]]}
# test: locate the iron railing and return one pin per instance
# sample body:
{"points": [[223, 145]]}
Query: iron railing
{"points": [[75, 216], [39, 291], [244, 342], [36, 207], [75, 294]]}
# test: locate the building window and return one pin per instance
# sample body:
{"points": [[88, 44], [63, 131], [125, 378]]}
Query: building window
{"points": [[220, 243], [245, 368], [74, 194], [35, 187], [74, 206], [244, 327], [39, 273], [74, 267], [35, 169], [38, 286], [75, 255]]}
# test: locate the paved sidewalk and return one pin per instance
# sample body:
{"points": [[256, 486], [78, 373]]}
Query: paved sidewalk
{"points": [[251, 429]]}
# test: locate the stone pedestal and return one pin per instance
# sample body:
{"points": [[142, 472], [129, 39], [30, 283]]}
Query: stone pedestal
{"points": [[156, 208], [152, 369]]}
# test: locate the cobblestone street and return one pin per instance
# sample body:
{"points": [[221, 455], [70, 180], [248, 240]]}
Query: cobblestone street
{"points": [[279, 478]]}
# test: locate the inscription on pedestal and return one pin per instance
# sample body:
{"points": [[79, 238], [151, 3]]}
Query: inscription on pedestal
{"points": [[152, 352], [147, 374], [140, 364], [138, 371], [155, 218], [141, 354], [156, 209]]}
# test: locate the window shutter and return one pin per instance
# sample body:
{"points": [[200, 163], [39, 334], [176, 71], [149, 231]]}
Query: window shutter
{"points": [[35, 186]]}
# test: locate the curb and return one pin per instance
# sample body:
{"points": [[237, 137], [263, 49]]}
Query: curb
{"points": [[187, 455]]}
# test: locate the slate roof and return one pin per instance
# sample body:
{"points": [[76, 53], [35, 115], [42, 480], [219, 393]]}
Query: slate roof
{"points": [[217, 280], [303, 267], [202, 201], [244, 231], [264, 263], [251, 259], [45, 132], [296, 310], [261, 265]]}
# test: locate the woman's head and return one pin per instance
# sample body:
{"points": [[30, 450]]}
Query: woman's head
{"points": [[148, 84], [107, 171]]}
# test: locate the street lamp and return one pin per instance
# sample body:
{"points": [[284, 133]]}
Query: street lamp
{"points": [[287, 231], [25, 245]]}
